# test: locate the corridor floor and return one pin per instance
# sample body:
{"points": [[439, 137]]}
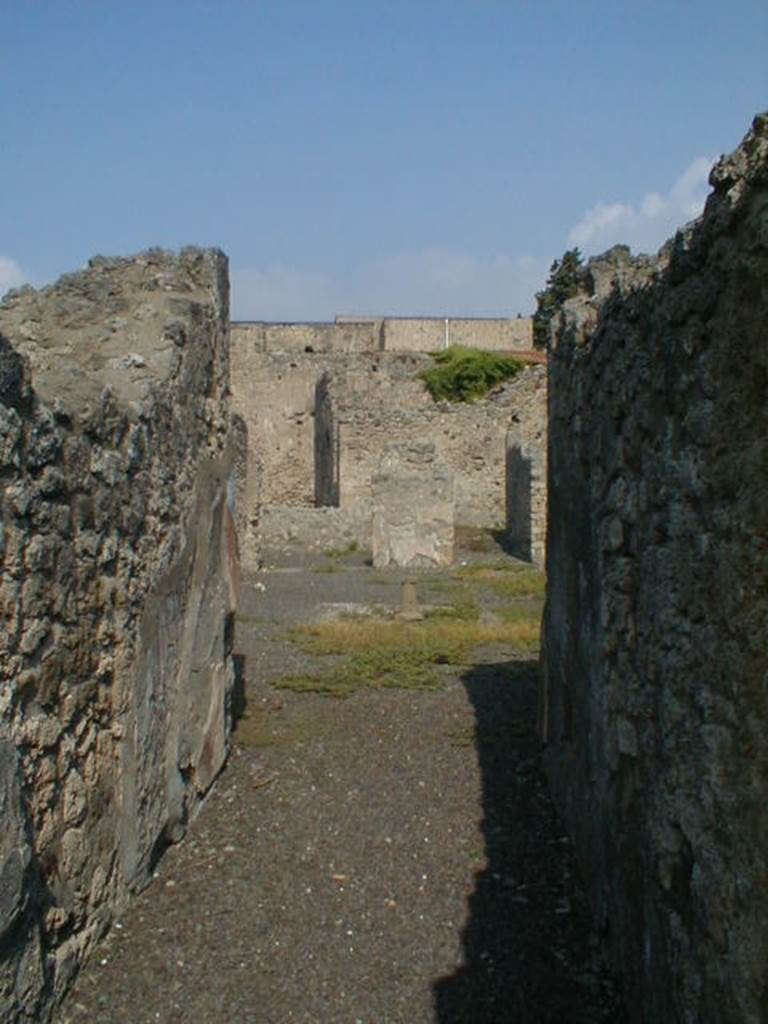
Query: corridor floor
{"points": [[389, 858]]}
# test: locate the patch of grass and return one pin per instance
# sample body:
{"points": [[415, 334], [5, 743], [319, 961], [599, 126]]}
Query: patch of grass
{"points": [[464, 609], [521, 611], [523, 632], [466, 374], [528, 583], [401, 655], [327, 567], [376, 669]]}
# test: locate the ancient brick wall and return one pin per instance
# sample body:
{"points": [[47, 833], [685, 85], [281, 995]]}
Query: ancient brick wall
{"points": [[118, 585], [654, 688]]}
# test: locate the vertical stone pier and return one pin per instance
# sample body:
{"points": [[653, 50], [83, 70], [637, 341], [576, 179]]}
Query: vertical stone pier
{"points": [[413, 509]]}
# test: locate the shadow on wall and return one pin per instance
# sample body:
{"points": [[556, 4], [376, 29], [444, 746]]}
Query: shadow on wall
{"points": [[530, 954]]}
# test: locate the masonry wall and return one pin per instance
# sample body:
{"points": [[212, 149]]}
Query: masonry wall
{"points": [[391, 334], [654, 687], [364, 336], [430, 335], [526, 493], [119, 565], [470, 439]]}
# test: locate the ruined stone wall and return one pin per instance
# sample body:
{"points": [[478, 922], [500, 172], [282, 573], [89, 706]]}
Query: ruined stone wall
{"points": [[116, 598], [317, 423], [469, 438], [654, 690], [275, 396]]}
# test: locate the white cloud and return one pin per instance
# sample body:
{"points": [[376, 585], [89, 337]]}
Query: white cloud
{"points": [[430, 281], [648, 224], [11, 274]]}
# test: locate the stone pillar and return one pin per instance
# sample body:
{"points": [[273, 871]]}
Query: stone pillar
{"points": [[413, 509]]}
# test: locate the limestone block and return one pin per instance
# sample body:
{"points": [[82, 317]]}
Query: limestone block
{"points": [[413, 509]]}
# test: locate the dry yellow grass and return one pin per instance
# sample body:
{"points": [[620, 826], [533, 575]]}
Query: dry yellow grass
{"points": [[443, 633]]}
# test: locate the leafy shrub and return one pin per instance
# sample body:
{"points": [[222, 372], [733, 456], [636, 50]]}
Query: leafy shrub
{"points": [[562, 284], [466, 374]]}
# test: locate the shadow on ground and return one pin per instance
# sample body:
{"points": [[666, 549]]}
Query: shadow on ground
{"points": [[530, 954]]}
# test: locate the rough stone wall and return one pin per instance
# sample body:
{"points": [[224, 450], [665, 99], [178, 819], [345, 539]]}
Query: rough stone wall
{"points": [[469, 438], [116, 598], [654, 702], [283, 527], [274, 395]]}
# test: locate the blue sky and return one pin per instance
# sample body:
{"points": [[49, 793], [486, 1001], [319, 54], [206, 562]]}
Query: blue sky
{"points": [[381, 156]]}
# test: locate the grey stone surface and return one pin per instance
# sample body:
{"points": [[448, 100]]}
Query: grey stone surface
{"points": [[654, 686], [119, 573], [413, 509]]}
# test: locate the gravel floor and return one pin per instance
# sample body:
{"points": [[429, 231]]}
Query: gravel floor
{"points": [[392, 858]]}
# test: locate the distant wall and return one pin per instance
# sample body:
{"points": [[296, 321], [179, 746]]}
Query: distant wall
{"points": [[119, 572], [469, 438], [654, 705], [431, 335], [391, 334], [318, 337]]}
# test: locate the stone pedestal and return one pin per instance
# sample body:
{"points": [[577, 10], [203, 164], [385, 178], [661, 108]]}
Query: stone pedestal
{"points": [[413, 509]]}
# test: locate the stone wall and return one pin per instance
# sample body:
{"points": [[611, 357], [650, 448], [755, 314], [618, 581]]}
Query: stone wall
{"points": [[354, 336], [417, 334], [654, 703], [285, 527], [117, 595], [391, 334], [526, 492], [275, 396], [469, 438]]}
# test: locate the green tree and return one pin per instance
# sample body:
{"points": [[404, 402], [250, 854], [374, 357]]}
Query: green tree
{"points": [[562, 284]]}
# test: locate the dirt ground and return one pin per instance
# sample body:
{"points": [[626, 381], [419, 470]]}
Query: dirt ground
{"points": [[389, 858]]}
